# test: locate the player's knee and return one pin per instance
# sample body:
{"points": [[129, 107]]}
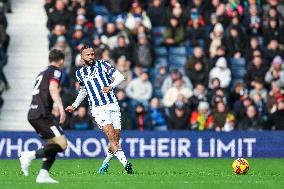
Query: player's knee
{"points": [[64, 145]]}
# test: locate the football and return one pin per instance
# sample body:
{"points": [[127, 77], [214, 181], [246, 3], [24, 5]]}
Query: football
{"points": [[240, 166]]}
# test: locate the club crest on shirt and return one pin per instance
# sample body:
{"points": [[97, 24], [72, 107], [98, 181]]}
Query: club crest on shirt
{"points": [[57, 74]]}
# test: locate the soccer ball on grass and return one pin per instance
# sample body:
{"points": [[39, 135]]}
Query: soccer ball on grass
{"points": [[240, 166]]}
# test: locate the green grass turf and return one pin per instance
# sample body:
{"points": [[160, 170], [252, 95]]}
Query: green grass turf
{"points": [[149, 173]]}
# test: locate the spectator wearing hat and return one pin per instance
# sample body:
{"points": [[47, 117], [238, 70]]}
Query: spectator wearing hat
{"points": [[172, 94], [142, 54], [174, 34], [224, 120], [81, 20], [99, 28], [137, 16], [195, 29], [215, 40], [251, 121], [140, 89], [175, 75], [59, 16], [202, 119], [222, 72], [109, 37], [157, 115], [234, 8], [276, 120], [276, 72]]}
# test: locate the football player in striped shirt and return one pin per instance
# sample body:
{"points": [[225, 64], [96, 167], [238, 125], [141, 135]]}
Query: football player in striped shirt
{"points": [[98, 79]]}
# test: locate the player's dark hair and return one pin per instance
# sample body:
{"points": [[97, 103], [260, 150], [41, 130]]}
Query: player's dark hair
{"points": [[55, 55], [85, 47]]}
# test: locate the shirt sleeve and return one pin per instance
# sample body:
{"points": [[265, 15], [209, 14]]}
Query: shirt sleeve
{"points": [[55, 76], [79, 78], [109, 69]]}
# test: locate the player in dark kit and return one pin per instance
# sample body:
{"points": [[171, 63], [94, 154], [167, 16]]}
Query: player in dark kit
{"points": [[45, 93]]}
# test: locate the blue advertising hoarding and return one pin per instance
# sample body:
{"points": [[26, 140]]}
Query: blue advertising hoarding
{"points": [[168, 144]]}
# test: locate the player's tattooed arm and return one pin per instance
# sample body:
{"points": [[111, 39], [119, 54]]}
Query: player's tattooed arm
{"points": [[55, 95]]}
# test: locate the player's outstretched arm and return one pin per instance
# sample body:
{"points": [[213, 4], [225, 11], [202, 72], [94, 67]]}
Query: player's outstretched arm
{"points": [[80, 97], [55, 95]]}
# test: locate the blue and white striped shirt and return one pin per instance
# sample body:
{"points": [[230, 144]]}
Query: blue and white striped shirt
{"points": [[93, 78]]}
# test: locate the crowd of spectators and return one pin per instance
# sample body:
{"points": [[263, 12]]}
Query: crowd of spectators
{"points": [[4, 43], [196, 65]]}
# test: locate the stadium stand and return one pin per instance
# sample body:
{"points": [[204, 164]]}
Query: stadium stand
{"points": [[212, 65], [27, 56], [216, 44]]}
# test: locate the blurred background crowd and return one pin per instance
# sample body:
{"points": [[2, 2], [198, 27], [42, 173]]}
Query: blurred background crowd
{"points": [[5, 7], [189, 65]]}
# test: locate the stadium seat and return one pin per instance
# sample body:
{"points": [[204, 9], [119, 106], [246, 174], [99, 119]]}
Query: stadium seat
{"points": [[161, 61], [160, 51], [177, 51], [178, 62], [238, 68], [157, 35]]}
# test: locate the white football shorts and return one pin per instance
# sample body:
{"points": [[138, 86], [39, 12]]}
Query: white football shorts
{"points": [[107, 114]]}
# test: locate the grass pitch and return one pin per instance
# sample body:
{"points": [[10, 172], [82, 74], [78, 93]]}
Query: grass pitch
{"points": [[149, 173]]}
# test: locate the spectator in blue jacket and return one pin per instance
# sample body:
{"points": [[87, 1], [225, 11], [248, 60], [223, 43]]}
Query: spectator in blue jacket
{"points": [[157, 115]]}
